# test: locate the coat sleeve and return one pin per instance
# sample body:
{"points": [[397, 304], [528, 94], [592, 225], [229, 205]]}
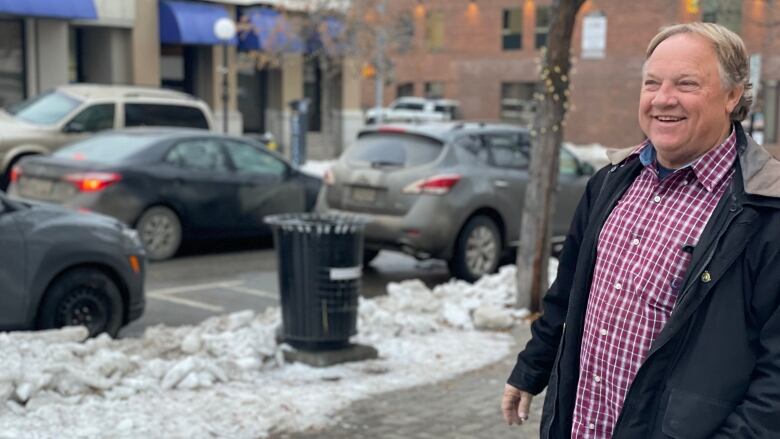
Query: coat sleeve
{"points": [[758, 415], [534, 364]]}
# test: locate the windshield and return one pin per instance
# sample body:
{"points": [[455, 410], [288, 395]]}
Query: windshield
{"points": [[110, 148], [45, 109], [393, 149], [409, 106]]}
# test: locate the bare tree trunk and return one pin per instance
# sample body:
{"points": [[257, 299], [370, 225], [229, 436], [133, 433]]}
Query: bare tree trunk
{"points": [[547, 135]]}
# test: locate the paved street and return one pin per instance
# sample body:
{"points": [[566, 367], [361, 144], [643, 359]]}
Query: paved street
{"points": [[201, 283]]}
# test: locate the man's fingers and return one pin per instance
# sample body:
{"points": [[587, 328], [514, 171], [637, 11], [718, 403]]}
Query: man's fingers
{"points": [[515, 405], [524, 406]]}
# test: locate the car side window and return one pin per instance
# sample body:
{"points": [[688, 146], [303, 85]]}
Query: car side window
{"points": [[508, 150], [248, 159], [474, 145], [198, 155], [92, 119], [568, 164], [137, 114]]}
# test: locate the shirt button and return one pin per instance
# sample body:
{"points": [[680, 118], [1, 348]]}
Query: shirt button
{"points": [[603, 331], [618, 286], [597, 378], [592, 426], [657, 199], [684, 182], [635, 242]]}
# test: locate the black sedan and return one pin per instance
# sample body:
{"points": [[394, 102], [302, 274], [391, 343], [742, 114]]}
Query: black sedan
{"points": [[170, 184]]}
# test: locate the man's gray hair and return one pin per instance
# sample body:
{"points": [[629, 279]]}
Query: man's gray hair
{"points": [[732, 57]]}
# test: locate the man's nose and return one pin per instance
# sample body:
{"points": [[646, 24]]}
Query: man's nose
{"points": [[665, 96]]}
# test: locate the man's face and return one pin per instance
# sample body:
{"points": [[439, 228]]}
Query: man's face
{"points": [[683, 107]]}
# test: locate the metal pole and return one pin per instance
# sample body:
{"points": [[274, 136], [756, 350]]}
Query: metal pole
{"points": [[379, 85], [225, 87]]}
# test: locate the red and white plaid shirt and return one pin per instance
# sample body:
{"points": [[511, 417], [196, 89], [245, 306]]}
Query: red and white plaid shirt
{"points": [[639, 270]]}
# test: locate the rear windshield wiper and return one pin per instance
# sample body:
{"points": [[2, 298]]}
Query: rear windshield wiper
{"points": [[385, 164]]}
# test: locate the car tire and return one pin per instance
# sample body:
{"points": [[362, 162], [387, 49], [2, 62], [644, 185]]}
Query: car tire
{"points": [[82, 296], [478, 249], [160, 231]]}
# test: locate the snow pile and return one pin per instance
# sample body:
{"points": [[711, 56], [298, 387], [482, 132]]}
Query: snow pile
{"points": [[317, 168], [594, 153], [226, 376]]}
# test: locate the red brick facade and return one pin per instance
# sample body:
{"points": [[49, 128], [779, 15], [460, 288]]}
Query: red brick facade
{"points": [[605, 92]]}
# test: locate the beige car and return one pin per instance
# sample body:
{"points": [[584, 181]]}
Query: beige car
{"points": [[72, 112]]}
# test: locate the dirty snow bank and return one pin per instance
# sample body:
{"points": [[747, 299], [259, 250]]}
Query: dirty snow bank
{"points": [[226, 377]]}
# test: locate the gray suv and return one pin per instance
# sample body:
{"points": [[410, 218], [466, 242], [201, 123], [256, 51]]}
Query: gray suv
{"points": [[451, 191], [60, 267]]}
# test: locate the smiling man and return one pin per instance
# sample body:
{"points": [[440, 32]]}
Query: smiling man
{"points": [[664, 320]]}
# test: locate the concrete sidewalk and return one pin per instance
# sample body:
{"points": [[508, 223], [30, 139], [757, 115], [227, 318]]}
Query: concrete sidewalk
{"points": [[465, 407]]}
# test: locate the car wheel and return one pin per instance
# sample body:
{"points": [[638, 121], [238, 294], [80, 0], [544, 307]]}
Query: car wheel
{"points": [[160, 231], [82, 296], [477, 249], [369, 255]]}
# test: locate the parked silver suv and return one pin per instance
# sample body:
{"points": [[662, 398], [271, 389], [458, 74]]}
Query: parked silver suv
{"points": [[71, 112], [451, 191]]}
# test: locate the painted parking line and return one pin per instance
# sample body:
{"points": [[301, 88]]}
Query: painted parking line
{"points": [[254, 292], [181, 301], [196, 287]]}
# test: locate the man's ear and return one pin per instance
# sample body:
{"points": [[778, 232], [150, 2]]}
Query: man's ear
{"points": [[733, 97]]}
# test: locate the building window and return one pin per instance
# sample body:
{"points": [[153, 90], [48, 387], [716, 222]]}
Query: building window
{"points": [[404, 30], [512, 32], [543, 17], [434, 30], [12, 70], [725, 12], [517, 102], [434, 90], [405, 89]]}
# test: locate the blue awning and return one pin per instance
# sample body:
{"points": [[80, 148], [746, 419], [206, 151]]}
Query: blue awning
{"points": [[267, 30], [72, 9], [184, 22]]}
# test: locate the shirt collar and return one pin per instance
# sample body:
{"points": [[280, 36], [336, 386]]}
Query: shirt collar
{"points": [[709, 169]]}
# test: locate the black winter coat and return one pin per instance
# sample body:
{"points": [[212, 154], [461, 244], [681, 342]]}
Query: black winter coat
{"points": [[714, 370]]}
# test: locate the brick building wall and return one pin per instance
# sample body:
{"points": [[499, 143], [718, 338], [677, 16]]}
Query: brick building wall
{"points": [[472, 64]]}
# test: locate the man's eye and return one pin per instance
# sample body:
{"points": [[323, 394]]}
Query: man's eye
{"points": [[651, 84], [688, 84]]}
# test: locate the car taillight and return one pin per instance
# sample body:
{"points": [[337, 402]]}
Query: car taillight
{"points": [[93, 181], [437, 185], [16, 172], [328, 178]]}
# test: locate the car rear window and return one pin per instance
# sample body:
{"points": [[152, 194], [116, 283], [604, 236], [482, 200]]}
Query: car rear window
{"points": [[106, 149], [393, 149], [164, 115]]}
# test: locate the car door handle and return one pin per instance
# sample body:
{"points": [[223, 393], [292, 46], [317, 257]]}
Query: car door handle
{"points": [[500, 183]]}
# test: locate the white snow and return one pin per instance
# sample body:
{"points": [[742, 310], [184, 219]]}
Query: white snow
{"points": [[316, 168], [227, 378]]}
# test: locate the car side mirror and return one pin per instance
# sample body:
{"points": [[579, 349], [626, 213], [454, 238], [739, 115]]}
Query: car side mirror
{"points": [[74, 127]]}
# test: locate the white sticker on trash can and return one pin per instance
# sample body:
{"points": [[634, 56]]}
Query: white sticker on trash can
{"points": [[346, 273]]}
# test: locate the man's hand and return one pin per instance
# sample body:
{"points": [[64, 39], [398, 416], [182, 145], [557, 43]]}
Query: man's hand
{"points": [[515, 405]]}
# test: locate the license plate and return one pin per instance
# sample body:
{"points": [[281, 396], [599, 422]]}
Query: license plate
{"points": [[363, 195], [35, 187]]}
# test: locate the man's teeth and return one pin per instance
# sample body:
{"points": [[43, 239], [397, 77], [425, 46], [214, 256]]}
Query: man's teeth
{"points": [[669, 119]]}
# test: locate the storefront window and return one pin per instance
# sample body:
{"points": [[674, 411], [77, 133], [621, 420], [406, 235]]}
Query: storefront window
{"points": [[12, 71]]}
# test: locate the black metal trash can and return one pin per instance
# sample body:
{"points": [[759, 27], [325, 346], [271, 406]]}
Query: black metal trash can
{"points": [[320, 260]]}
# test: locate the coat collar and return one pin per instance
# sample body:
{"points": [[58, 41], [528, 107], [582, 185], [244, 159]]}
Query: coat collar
{"points": [[760, 170]]}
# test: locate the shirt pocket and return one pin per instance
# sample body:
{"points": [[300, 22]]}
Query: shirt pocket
{"points": [[691, 416]]}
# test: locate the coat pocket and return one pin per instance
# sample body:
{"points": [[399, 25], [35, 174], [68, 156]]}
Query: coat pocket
{"points": [[692, 416]]}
